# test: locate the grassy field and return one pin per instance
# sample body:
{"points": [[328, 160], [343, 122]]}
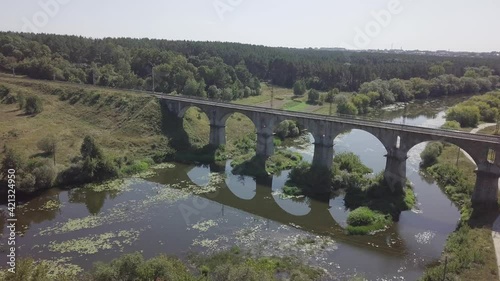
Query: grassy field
{"points": [[123, 122]]}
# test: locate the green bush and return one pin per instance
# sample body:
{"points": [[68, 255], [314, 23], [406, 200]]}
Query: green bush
{"points": [[361, 216], [299, 88], [430, 154], [350, 162], [312, 96], [48, 145], [4, 91], [363, 221], [292, 190], [136, 167], [288, 129], [467, 116], [451, 125], [28, 269], [33, 105]]}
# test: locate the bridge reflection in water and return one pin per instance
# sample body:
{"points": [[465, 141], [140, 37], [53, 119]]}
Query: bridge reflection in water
{"points": [[313, 215]]}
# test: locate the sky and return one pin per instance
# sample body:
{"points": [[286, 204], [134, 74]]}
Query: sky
{"points": [[456, 25]]}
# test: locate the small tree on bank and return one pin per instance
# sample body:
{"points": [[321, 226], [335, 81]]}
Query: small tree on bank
{"points": [[299, 88], [33, 105], [49, 146]]}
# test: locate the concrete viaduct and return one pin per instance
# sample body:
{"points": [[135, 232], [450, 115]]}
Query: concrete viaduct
{"points": [[397, 139]]}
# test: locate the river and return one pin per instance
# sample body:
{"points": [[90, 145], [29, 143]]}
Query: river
{"points": [[180, 209]]}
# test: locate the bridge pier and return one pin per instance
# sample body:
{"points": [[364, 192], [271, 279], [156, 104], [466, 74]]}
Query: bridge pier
{"points": [[395, 170], [485, 195], [217, 134], [265, 142], [323, 151]]}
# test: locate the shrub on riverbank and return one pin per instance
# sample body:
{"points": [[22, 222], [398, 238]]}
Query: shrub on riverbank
{"points": [[32, 174], [469, 250], [430, 154], [478, 108], [224, 266]]}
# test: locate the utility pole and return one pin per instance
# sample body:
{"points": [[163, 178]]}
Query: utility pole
{"points": [[272, 95], [153, 75]]}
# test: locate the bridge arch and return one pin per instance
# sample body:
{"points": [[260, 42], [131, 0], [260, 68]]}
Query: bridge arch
{"points": [[370, 149], [475, 151]]}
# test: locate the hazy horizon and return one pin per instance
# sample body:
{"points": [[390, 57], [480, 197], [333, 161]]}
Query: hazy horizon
{"points": [[357, 25]]}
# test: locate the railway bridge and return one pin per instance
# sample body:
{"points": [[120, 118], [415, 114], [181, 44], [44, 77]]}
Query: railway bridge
{"points": [[397, 139]]}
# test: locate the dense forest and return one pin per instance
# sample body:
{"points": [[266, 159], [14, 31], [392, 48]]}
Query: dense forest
{"points": [[214, 69]]}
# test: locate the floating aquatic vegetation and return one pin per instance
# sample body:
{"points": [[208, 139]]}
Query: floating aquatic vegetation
{"points": [[118, 185], [424, 237], [116, 214], [214, 182], [163, 166], [284, 196], [166, 194], [283, 242], [51, 205], [205, 226], [145, 174], [94, 243], [211, 244]]}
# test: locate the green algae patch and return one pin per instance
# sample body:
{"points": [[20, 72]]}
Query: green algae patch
{"points": [[95, 243], [118, 185], [163, 166], [205, 225], [165, 194], [51, 205], [114, 215], [214, 182]]}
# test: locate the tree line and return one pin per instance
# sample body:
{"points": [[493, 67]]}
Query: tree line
{"points": [[385, 92], [105, 63], [232, 68]]}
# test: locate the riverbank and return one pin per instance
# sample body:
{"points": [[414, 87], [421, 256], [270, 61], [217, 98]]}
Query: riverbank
{"points": [[472, 251]]}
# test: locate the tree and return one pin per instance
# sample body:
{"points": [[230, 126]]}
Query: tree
{"points": [[214, 92], [420, 88], [313, 96], [4, 91], [430, 154], [90, 149], [467, 116], [398, 87], [436, 70], [191, 88], [330, 96], [12, 160], [345, 106], [287, 129], [299, 88], [33, 105]]}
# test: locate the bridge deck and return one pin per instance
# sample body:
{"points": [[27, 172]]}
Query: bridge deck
{"points": [[352, 120]]}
